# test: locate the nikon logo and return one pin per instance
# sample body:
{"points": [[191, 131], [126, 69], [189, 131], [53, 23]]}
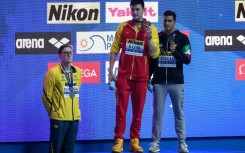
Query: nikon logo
{"points": [[224, 40], [73, 13], [240, 11], [40, 42]]}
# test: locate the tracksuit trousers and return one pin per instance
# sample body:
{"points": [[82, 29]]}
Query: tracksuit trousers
{"points": [[176, 93], [62, 136], [137, 89]]}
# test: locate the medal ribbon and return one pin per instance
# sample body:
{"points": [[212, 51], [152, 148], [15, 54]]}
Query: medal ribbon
{"points": [[69, 81]]}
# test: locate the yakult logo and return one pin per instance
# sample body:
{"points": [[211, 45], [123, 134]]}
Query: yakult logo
{"points": [[117, 12]]}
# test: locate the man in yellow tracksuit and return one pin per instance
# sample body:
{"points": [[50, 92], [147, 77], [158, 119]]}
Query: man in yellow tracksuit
{"points": [[61, 100]]}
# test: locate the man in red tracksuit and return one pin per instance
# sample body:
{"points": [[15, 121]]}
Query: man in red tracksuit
{"points": [[138, 40]]}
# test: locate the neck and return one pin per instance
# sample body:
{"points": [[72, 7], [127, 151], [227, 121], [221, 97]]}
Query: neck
{"points": [[66, 66], [168, 33], [137, 22]]}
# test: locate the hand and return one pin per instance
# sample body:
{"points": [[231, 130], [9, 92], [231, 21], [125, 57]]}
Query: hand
{"points": [[173, 46], [110, 77], [112, 85], [111, 80], [148, 32], [149, 86]]}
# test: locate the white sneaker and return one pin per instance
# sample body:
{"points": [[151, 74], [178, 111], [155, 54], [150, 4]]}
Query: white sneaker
{"points": [[154, 147], [183, 147]]}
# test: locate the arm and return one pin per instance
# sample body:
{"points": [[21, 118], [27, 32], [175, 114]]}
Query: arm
{"points": [[115, 48], [49, 83], [113, 57], [184, 55], [152, 64], [153, 41]]}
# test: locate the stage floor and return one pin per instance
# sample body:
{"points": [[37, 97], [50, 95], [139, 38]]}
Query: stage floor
{"points": [[195, 145], [190, 151]]}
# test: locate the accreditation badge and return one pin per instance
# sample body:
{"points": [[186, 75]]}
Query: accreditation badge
{"points": [[166, 61], [134, 47]]}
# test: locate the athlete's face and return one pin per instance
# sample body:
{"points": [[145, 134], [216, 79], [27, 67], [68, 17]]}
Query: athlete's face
{"points": [[169, 23], [137, 12], [66, 55]]}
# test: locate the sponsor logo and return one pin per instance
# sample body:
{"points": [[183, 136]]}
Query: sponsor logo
{"points": [[73, 13], [94, 42], [115, 70], [241, 38], [40, 42], [117, 12], [57, 43], [240, 11], [240, 69], [90, 71], [224, 40]]}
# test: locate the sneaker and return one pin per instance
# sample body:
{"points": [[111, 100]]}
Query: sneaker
{"points": [[183, 147], [154, 147], [134, 146], [118, 146]]}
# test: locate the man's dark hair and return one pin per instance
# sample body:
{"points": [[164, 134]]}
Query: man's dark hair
{"points": [[170, 13], [135, 2], [64, 46]]}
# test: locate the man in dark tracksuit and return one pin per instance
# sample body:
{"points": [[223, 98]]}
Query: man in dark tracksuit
{"points": [[168, 78]]}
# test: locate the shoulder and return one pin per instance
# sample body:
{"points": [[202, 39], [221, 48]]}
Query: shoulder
{"points": [[76, 69], [183, 38], [160, 33], [55, 69], [123, 24], [121, 27], [53, 72], [153, 26], [181, 34]]}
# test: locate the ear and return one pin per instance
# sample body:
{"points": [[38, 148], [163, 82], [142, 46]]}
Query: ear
{"points": [[174, 21]]}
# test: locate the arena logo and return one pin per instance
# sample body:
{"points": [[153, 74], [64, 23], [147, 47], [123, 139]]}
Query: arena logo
{"points": [[117, 12], [40, 42], [240, 11], [240, 69], [224, 40], [218, 40], [90, 71], [73, 13], [94, 42]]}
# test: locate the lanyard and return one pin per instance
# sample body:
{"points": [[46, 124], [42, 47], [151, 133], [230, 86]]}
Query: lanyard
{"points": [[69, 81]]}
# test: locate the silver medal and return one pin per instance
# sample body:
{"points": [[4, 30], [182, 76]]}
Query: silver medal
{"points": [[72, 94]]}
